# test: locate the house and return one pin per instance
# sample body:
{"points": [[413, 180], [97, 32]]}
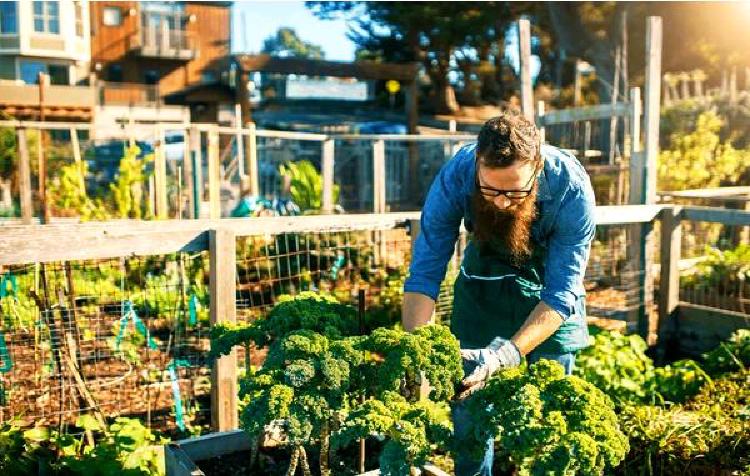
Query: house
{"points": [[52, 38], [161, 60]]}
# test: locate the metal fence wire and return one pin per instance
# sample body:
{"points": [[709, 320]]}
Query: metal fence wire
{"points": [[121, 337]]}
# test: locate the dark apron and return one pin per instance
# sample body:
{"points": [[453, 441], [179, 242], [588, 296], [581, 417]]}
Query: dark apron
{"points": [[493, 297]]}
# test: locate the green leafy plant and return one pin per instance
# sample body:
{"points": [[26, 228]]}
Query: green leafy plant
{"points": [[730, 356], [125, 448], [547, 423], [306, 185], [318, 371], [618, 365], [699, 159], [67, 194], [127, 191]]}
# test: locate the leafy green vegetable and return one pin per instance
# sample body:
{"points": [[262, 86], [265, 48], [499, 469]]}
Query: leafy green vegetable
{"points": [[730, 356], [546, 423]]}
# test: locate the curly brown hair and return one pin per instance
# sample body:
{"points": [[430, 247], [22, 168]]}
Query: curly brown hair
{"points": [[507, 139]]}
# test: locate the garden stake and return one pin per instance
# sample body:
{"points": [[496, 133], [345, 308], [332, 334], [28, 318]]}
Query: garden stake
{"points": [[361, 317]]}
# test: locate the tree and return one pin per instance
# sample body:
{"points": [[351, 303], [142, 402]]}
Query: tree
{"points": [[286, 43]]}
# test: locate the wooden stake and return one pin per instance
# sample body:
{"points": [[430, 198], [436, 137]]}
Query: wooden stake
{"points": [[24, 176]]}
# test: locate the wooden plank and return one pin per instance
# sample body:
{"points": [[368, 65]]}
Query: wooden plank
{"points": [[702, 328], [636, 159], [187, 173], [222, 281], [406, 137], [358, 69], [291, 135], [540, 121], [238, 138], [178, 463], [524, 53], [214, 178], [652, 105], [251, 156], [160, 176], [216, 444], [669, 279], [719, 192], [626, 214], [24, 176], [327, 168], [717, 215], [378, 177], [586, 113]]}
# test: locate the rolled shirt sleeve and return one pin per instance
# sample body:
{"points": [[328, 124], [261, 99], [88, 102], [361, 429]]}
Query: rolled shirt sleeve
{"points": [[568, 250], [440, 224]]}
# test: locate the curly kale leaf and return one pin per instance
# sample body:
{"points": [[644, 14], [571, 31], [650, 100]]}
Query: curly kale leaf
{"points": [[547, 423]]}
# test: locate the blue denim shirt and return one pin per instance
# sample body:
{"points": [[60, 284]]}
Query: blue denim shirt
{"points": [[564, 226]]}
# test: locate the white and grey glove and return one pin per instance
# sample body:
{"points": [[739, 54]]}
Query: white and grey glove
{"points": [[500, 353]]}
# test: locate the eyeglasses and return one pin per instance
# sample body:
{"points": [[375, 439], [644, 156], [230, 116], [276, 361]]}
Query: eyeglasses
{"points": [[493, 192]]}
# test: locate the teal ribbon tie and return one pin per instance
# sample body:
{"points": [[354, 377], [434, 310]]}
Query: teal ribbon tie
{"points": [[179, 413], [128, 313], [193, 306], [7, 364]]}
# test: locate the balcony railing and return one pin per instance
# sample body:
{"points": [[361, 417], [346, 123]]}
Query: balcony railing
{"points": [[128, 94], [162, 39]]}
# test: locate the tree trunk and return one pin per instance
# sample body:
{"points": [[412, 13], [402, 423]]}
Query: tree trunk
{"points": [[303, 460], [293, 462]]}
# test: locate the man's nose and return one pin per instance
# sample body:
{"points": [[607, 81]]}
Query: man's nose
{"points": [[502, 202]]}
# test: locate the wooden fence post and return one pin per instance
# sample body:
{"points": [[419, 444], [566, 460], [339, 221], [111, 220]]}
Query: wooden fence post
{"points": [[540, 121], [669, 279], [160, 175], [327, 168], [24, 176], [651, 111], [214, 179], [196, 166], [524, 53], [378, 176], [251, 156], [223, 269], [187, 172], [238, 138]]}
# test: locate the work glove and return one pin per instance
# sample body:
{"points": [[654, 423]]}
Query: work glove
{"points": [[499, 354]]}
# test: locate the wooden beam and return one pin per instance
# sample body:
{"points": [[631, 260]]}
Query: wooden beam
{"points": [[327, 170], [719, 192], [214, 176], [160, 176], [524, 53], [636, 159], [251, 156], [22, 244], [223, 269], [378, 177], [652, 106], [540, 121], [717, 215], [359, 69], [24, 176], [586, 113], [702, 328], [626, 214], [669, 279]]}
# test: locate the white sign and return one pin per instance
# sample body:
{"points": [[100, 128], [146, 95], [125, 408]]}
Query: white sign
{"points": [[333, 88]]}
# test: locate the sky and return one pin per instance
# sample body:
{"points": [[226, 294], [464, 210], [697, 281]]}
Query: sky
{"points": [[263, 19]]}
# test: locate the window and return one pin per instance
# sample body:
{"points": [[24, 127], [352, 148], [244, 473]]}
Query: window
{"points": [[58, 73], [112, 16], [79, 18], [8, 22], [47, 17], [208, 76], [151, 77], [114, 73]]}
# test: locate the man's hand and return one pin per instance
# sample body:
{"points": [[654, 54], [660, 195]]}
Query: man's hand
{"points": [[501, 353]]}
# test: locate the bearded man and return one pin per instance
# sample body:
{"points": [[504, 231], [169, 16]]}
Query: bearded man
{"points": [[530, 211]]}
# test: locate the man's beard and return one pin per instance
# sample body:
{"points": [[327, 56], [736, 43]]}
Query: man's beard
{"points": [[511, 228]]}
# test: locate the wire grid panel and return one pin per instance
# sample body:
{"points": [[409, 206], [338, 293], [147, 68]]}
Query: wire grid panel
{"points": [[103, 335], [613, 279], [715, 266], [353, 173], [590, 139], [273, 152]]}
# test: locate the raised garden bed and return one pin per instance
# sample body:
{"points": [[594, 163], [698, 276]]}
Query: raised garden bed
{"points": [[229, 453]]}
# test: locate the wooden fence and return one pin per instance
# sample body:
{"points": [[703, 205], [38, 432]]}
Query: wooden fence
{"points": [[691, 324]]}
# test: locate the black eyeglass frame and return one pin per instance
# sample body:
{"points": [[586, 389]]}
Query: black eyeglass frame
{"points": [[492, 192]]}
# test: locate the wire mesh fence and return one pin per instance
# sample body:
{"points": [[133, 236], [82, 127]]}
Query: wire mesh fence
{"points": [[120, 337]]}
